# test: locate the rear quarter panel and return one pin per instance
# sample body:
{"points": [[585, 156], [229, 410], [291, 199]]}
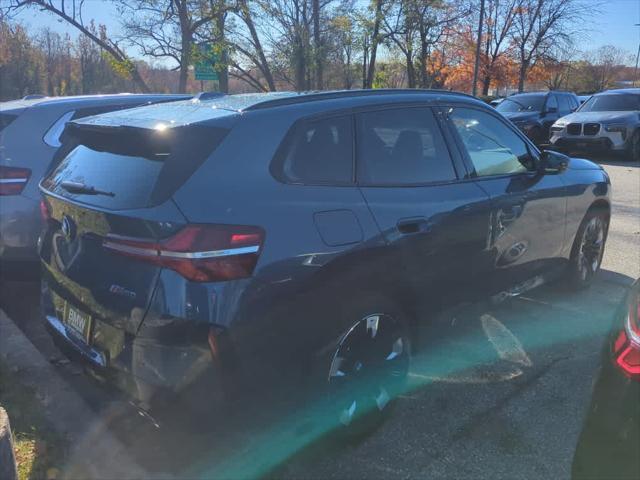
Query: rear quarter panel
{"points": [[274, 313]]}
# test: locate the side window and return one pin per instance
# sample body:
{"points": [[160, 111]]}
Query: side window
{"points": [[401, 147], [551, 102], [563, 103], [318, 152], [493, 147]]}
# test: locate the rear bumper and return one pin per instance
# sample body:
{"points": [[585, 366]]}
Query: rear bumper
{"points": [[19, 228], [146, 370]]}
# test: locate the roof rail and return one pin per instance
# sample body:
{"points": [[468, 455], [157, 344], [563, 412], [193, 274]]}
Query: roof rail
{"points": [[313, 96]]}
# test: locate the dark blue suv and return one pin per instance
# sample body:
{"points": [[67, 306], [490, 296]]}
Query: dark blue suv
{"points": [[266, 238]]}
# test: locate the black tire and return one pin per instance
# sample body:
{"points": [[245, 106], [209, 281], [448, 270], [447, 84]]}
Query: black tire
{"points": [[633, 151], [588, 249], [367, 367]]}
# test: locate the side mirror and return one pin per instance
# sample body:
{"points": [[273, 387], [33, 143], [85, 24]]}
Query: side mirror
{"points": [[552, 110], [553, 162]]}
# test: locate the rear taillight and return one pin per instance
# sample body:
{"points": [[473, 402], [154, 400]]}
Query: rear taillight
{"points": [[201, 253], [627, 345], [13, 180]]}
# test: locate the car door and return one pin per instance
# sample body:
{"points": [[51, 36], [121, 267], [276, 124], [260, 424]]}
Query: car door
{"points": [[435, 222], [528, 206]]}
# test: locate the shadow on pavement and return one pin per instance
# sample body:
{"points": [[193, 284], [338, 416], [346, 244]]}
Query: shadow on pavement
{"points": [[470, 407]]}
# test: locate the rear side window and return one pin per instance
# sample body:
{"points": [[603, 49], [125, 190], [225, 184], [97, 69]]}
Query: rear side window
{"points": [[566, 103], [493, 148], [318, 152], [551, 102], [133, 168], [401, 147]]}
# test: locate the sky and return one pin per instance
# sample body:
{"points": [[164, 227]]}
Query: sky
{"points": [[614, 25]]}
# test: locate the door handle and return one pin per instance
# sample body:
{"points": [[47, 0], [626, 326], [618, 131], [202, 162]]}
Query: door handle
{"points": [[408, 226]]}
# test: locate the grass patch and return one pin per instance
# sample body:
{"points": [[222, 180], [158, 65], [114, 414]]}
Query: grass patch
{"points": [[39, 449]]}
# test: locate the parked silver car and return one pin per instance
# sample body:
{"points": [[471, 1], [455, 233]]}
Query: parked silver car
{"points": [[608, 121], [30, 131]]}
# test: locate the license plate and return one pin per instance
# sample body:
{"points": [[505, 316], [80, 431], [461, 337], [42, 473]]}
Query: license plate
{"points": [[78, 322], [582, 145]]}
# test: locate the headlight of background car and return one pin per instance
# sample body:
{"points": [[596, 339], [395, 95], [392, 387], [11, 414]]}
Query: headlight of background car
{"points": [[617, 127]]}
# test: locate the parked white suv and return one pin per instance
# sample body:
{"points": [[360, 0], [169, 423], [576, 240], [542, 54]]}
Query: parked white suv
{"points": [[608, 121]]}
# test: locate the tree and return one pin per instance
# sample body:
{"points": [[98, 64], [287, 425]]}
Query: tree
{"points": [[247, 44], [540, 25], [400, 27], [604, 65], [374, 38], [169, 29], [70, 11], [498, 23], [344, 41], [555, 68], [288, 29], [317, 43], [20, 62]]}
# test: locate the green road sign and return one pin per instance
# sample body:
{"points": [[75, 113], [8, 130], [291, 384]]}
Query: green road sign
{"points": [[205, 69]]}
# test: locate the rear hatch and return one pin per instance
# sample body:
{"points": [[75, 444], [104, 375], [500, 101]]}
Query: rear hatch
{"points": [[115, 185]]}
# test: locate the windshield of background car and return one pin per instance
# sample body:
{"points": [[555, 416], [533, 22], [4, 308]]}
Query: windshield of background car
{"points": [[522, 103], [615, 102]]}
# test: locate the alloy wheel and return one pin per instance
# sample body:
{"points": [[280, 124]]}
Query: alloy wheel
{"points": [[369, 367], [591, 248]]}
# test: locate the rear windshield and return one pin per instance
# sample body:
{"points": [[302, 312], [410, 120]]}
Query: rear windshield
{"points": [[131, 168], [617, 102]]}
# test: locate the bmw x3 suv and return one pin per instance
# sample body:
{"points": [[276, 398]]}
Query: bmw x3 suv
{"points": [[607, 122], [264, 239]]}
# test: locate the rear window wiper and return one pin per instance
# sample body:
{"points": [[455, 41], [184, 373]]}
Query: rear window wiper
{"points": [[77, 187]]}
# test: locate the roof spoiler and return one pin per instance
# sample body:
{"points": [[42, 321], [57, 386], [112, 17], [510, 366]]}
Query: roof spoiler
{"points": [[144, 142]]}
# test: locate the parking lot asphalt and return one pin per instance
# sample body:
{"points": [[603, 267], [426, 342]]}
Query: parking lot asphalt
{"points": [[504, 397]]}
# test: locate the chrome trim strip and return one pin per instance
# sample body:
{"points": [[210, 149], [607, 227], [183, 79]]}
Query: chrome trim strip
{"points": [[89, 353], [13, 180], [152, 252], [212, 253]]}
